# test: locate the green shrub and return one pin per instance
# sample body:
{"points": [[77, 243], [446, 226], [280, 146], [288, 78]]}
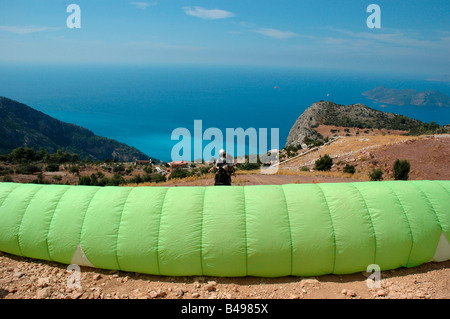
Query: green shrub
{"points": [[376, 174], [119, 168], [136, 179], [324, 163], [5, 171], [304, 169], [349, 169], [7, 179], [84, 180], [158, 178], [248, 166], [28, 169], [401, 170], [52, 167], [179, 173], [74, 169]]}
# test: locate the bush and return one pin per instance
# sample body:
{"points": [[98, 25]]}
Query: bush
{"points": [[28, 169], [148, 169], [84, 180], [304, 169], [401, 170], [349, 169], [117, 180], [74, 169], [136, 179], [324, 163], [158, 178], [248, 166], [119, 168], [7, 179], [52, 168], [203, 170], [179, 173], [376, 174], [5, 171]]}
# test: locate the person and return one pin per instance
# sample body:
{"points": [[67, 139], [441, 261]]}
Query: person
{"points": [[223, 167]]}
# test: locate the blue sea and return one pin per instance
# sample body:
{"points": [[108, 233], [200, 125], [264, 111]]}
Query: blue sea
{"points": [[142, 105]]}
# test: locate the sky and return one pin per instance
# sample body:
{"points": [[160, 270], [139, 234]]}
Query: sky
{"points": [[414, 37]]}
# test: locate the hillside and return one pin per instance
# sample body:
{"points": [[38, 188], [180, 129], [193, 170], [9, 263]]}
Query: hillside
{"points": [[356, 116], [23, 126]]}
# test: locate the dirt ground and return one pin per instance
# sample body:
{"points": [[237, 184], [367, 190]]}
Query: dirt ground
{"points": [[36, 279]]}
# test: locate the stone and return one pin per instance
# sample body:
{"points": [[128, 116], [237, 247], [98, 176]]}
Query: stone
{"points": [[381, 293], [153, 294], [179, 293], [43, 282], [351, 293], [195, 295], [97, 277], [161, 293], [18, 274], [43, 293], [210, 286], [76, 295]]}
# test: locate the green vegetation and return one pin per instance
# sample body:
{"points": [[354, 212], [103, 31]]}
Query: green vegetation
{"points": [[7, 179], [324, 163], [52, 167], [180, 173], [28, 169], [376, 174], [350, 169], [5, 171], [401, 170]]}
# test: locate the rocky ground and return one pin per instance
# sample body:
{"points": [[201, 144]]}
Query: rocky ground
{"points": [[35, 279]]}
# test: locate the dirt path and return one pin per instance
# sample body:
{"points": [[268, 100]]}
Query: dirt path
{"points": [[28, 278]]}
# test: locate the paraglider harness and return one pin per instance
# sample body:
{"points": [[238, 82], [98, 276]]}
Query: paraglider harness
{"points": [[223, 175]]}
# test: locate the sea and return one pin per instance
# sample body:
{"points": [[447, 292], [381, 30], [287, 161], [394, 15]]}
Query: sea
{"points": [[142, 105]]}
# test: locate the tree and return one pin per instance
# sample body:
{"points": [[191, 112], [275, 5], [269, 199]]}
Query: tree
{"points": [[28, 169], [376, 174], [158, 178], [349, 169], [52, 168], [74, 169], [401, 170], [119, 168], [324, 163], [84, 180]]}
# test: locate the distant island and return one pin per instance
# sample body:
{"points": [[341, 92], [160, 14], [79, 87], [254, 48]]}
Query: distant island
{"points": [[408, 97], [23, 126]]}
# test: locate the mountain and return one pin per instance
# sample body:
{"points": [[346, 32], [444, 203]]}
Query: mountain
{"points": [[355, 115], [408, 97], [23, 126]]}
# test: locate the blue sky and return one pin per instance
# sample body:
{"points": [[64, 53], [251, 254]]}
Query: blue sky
{"points": [[414, 36]]}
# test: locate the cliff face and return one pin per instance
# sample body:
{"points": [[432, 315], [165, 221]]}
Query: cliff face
{"points": [[355, 115], [23, 126]]}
